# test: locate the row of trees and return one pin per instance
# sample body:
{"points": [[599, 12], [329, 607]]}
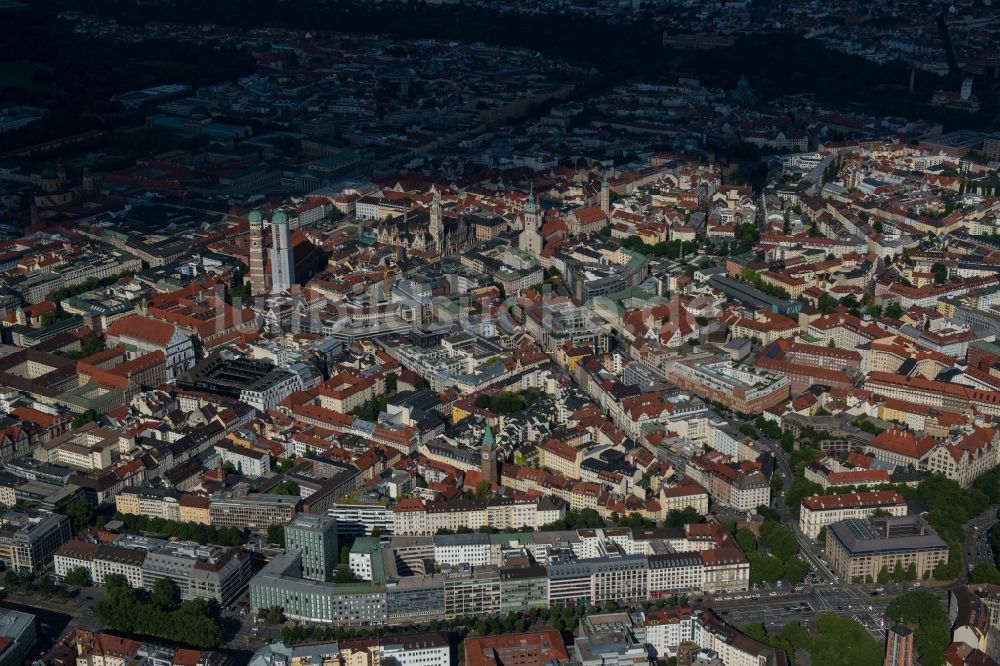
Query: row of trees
{"points": [[898, 575], [159, 615], [674, 249], [204, 534], [754, 278], [564, 618], [41, 585]]}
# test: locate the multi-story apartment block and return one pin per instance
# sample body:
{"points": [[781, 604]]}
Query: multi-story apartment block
{"points": [[666, 629], [819, 511], [413, 516], [87, 448], [195, 509], [743, 389], [152, 502], [741, 486], [528, 649]]}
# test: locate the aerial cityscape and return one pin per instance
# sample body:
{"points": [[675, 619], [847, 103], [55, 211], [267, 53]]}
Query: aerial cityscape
{"points": [[486, 333]]}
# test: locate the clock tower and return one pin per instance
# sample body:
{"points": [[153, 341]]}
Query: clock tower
{"points": [[258, 281], [488, 453]]}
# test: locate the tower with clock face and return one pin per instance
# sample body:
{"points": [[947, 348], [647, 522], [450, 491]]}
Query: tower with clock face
{"points": [[488, 451], [258, 280]]}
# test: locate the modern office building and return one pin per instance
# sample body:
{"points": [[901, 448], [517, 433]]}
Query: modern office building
{"points": [[18, 635], [361, 517], [280, 584], [200, 572], [315, 537], [858, 549], [422, 578], [253, 511], [27, 541], [610, 639]]}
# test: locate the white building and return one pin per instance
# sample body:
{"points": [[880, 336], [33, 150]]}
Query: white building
{"points": [[667, 628], [455, 549], [417, 650], [141, 335], [247, 462], [819, 511]]}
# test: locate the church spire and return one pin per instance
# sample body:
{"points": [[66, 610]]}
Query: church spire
{"points": [[488, 457], [437, 223]]}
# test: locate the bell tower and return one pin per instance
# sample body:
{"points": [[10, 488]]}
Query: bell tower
{"points": [[258, 282], [437, 224], [488, 454]]}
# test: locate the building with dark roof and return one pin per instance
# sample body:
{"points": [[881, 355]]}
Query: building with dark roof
{"points": [[859, 549]]}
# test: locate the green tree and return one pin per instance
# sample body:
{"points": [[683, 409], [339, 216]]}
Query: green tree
{"points": [[11, 579], [746, 540], [276, 535], [795, 571], [45, 585], [687, 516], [83, 419], [165, 593], [840, 641], [779, 540], [391, 381], [801, 488], [483, 489], [984, 573], [78, 577], [920, 610], [82, 512], [114, 582], [883, 575], [765, 568]]}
